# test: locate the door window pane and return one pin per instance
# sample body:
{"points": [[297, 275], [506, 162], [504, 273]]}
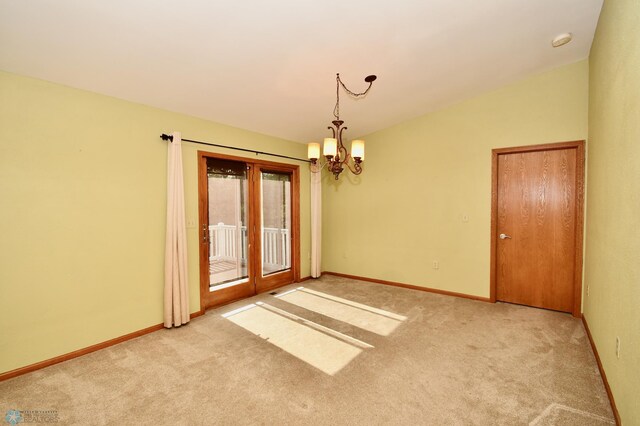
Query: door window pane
{"points": [[228, 220], [276, 222]]}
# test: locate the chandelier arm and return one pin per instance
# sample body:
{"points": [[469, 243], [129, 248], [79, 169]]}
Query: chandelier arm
{"points": [[341, 147], [356, 169], [318, 166]]}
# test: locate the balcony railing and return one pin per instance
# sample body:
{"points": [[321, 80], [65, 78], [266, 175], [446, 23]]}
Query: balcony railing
{"points": [[227, 244]]}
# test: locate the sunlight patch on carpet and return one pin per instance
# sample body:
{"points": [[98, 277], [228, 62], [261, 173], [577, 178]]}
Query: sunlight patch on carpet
{"points": [[322, 328], [359, 315], [324, 349]]}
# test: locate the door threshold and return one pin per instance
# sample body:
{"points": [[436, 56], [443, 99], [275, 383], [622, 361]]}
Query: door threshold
{"points": [[227, 285]]}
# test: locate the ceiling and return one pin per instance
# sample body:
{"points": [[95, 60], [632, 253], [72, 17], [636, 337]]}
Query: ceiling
{"points": [[269, 66]]}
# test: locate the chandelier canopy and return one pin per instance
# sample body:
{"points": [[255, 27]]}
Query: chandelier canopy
{"points": [[336, 154]]}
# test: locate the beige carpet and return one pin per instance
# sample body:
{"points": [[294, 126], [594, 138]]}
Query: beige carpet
{"points": [[336, 351]]}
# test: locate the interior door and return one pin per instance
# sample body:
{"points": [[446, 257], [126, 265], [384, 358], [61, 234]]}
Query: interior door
{"points": [[249, 227], [538, 227]]}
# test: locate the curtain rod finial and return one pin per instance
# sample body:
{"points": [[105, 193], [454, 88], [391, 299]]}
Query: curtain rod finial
{"points": [[166, 137]]}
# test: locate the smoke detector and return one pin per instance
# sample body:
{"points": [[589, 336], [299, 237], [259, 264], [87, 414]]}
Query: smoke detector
{"points": [[562, 39]]}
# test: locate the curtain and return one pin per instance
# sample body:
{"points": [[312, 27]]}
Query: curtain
{"points": [[176, 287], [316, 220]]}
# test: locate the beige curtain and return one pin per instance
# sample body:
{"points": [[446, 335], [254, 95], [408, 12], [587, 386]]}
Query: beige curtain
{"points": [[316, 220], [176, 287]]}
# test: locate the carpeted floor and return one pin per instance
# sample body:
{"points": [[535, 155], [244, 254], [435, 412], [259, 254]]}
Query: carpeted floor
{"points": [[337, 351]]}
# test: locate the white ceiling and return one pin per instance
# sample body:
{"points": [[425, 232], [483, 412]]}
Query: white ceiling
{"points": [[270, 66]]}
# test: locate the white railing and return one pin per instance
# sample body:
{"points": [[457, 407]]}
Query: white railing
{"points": [[224, 243], [276, 248]]}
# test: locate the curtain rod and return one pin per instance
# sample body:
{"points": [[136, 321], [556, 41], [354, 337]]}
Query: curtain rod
{"points": [[166, 137]]}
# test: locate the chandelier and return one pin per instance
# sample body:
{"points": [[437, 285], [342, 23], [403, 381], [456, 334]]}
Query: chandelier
{"points": [[336, 154]]}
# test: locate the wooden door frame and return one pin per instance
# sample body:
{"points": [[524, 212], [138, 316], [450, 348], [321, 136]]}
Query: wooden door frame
{"points": [[579, 146], [279, 279], [203, 212]]}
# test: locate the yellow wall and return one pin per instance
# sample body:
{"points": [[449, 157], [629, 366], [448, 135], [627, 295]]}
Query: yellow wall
{"points": [[422, 176], [82, 214], [612, 267]]}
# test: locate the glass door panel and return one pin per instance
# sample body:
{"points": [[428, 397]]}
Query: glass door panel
{"points": [[249, 227], [228, 217], [275, 221]]}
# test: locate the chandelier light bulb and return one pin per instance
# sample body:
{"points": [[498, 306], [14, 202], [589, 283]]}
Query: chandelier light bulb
{"points": [[313, 151], [330, 147], [357, 150]]}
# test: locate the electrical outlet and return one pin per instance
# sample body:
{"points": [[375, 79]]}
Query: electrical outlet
{"points": [[436, 264], [617, 347], [191, 223], [588, 288]]}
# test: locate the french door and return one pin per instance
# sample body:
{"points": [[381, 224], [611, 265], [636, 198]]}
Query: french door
{"points": [[249, 227]]}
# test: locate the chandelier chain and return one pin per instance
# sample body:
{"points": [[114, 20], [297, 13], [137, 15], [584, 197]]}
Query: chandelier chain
{"points": [[336, 109]]}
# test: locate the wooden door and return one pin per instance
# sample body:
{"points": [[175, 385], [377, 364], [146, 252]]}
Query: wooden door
{"points": [[249, 227], [537, 226], [274, 187], [227, 261]]}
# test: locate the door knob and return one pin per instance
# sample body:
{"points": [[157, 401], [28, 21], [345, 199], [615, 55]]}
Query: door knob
{"points": [[504, 236]]}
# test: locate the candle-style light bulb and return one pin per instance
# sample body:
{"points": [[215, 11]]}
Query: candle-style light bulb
{"points": [[313, 151], [330, 148], [357, 150]]}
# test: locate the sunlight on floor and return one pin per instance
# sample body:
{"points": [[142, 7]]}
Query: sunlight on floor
{"points": [[314, 347], [366, 317], [324, 348], [316, 326]]}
